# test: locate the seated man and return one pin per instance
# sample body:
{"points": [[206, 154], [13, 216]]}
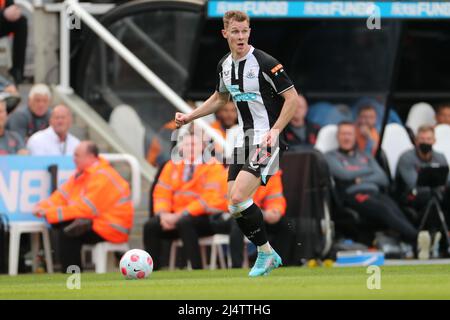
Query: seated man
{"points": [[92, 206], [26, 121], [186, 194], [408, 167], [443, 114], [359, 180], [300, 132], [367, 136], [10, 141], [273, 205], [56, 140]]}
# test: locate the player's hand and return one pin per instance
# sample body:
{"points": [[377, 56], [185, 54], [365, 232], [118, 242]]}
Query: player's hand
{"points": [[271, 138], [181, 119], [12, 13]]}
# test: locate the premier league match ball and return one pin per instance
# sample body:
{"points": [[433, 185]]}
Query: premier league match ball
{"points": [[136, 264]]}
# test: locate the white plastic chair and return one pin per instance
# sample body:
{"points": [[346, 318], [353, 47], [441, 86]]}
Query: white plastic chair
{"points": [[326, 139], [442, 133], [102, 254], [126, 123], [421, 113], [16, 229], [395, 142], [215, 242]]}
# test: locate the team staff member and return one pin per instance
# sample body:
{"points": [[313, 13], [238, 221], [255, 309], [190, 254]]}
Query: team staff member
{"points": [[266, 101], [185, 195], [10, 141], [94, 205]]}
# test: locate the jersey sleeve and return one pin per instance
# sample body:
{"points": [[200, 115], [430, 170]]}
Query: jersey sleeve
{"points": [[220, 85], [20, 144], [274, 73]]}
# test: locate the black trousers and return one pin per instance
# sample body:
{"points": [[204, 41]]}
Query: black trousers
{"points": [[20, 30], [280, 237], [70, 247], [188, 229], [381, 208]]}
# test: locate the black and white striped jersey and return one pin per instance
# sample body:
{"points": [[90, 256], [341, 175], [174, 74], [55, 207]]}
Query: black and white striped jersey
{"points": [[255, 83]]}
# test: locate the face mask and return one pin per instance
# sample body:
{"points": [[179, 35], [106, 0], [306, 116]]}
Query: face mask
{"points": [[425, 147]]}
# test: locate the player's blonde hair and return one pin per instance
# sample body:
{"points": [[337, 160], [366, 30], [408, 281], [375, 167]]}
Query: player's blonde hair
{"points": [[235, 15]]}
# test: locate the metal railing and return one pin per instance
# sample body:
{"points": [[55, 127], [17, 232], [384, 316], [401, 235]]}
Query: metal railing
{"points": [[76, 8]]}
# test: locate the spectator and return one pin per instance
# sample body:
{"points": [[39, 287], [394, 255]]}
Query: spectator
{"points": [[443, 114], [273, 204], [367, 136], [56, 139], [92, 206], [226, 118], [10, 141], [26, 121], [408, 168], [360, 180], [13, 21], [185, 196], [300, 132]]}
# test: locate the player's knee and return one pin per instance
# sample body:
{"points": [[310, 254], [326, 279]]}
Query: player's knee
{"points": [[237, 197]]}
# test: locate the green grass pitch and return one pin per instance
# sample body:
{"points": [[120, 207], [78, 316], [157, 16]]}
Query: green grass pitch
{"points": [[399, 282]]}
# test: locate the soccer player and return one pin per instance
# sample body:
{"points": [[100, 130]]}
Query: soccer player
{"points": [[266, 101]]}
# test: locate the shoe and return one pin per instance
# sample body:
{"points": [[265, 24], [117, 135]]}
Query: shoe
{"points": [[265, 263], [423, 245], [435, 247]]}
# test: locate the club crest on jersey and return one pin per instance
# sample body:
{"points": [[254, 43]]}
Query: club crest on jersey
{"points": [[250, 74], [226, 73]]}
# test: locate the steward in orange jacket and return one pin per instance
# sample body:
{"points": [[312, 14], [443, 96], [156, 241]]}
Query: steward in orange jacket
{"points": [[95, 196], [273, 205], [184, 197], [202, 193]]}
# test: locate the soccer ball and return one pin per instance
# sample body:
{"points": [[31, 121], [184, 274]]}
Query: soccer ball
{"points": [[136, 264]]}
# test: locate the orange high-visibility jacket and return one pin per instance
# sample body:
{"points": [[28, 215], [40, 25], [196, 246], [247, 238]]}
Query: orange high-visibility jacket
{"points": [[205, 193], [271, 196], [99, 193]]}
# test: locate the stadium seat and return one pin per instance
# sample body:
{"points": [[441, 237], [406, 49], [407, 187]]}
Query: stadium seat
{"points": [[326, 139], [16, 229], [215, 242], [442, 133], [100, 253], [395, 142], [127, 124], [420, 114]]}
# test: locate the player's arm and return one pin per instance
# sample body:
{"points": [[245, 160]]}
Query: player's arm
{"points": [[291, 103], [211, 105]]}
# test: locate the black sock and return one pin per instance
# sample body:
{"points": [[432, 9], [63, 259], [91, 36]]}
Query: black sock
{"points": [[252, 225]]}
